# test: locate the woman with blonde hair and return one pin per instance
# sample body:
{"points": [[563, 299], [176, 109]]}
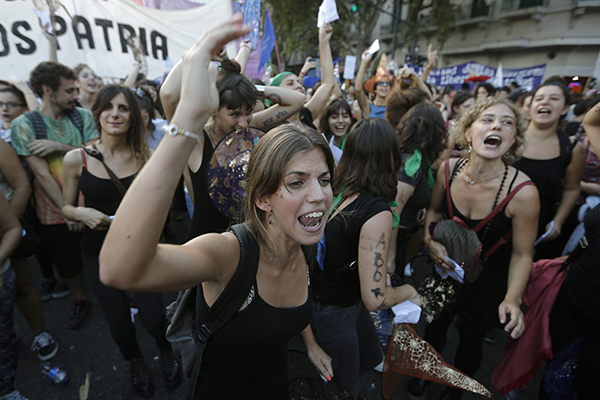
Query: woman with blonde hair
{"points": [[493, 131]]}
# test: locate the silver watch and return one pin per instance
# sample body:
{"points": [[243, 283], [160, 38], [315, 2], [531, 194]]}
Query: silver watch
{"points": [[174, 130]]}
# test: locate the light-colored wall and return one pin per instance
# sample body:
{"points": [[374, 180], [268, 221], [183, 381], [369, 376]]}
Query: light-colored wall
{"points": [[564, 34]]}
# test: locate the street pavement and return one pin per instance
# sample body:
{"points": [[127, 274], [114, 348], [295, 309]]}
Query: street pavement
{"points": [[91, 350]]}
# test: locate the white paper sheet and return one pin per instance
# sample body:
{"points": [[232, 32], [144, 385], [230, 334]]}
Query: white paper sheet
{"points": [[374, 47], [545, 235], [327, 13], [458, 273], [350, 67], [44, 20], [406, 312]]}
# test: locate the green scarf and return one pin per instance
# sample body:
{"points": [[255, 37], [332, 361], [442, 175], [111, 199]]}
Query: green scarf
{"points": [[413, 164]]}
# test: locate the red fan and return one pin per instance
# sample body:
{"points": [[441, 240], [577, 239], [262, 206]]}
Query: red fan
{"points": [[409, 354]]}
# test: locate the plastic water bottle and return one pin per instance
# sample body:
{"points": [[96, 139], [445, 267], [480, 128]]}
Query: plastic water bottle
{"points": [[55, 374]]}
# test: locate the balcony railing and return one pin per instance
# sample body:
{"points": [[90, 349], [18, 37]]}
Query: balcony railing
{"points": [[512, 5]]}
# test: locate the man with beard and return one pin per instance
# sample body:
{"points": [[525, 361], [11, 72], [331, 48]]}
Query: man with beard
{"points": [[42, 137]]}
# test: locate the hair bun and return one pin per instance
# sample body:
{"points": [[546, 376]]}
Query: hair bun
{"points": [[231, 66]]}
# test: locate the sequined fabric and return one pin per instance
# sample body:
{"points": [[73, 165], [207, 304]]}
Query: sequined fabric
{"points": [[409, 354], [227, 171]]}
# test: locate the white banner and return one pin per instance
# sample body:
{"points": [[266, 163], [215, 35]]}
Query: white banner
{"points": [[96, 35]]}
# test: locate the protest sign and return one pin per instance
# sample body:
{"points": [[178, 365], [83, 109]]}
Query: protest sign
{"points": [[528, 78], [97, 35]]}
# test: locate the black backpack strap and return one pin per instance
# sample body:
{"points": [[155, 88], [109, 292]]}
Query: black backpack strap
{"points": [[566, 149], [39, 127], [77, 120], [230, 300]]}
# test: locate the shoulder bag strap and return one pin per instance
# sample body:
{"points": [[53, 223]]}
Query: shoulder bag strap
{"points": [[584, 242], [501, 205], [504, 239], [98, 156], [230, 300], [448, 199]]}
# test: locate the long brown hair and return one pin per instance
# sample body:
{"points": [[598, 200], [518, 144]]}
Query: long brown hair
{"points": [[135, 134], [370, 162], [268, 162]]}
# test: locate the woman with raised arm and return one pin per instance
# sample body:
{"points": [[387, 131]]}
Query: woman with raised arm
{"points": [[554, 163], [288, 195], [493, 130], [123, 149], [314, 107], [237, 98], [357, 239]]}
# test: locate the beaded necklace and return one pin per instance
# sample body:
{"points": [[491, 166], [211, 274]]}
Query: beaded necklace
{"points": [[496, 200]]}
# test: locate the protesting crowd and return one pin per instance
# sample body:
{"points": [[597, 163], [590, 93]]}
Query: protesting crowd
{"points": [[306, 211]]}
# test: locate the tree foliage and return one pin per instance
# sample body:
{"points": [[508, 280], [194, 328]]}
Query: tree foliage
{"points": [[295, 24]]}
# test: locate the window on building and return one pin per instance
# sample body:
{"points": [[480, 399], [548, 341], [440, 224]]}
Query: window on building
{"points": [[480, 8]]}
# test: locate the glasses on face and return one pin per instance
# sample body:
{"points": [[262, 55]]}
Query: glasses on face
{"points": [[385, 83], [11, 105]]}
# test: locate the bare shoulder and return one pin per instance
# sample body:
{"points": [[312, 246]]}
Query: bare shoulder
{"points": [[220, 253], [72, 159], [526, 199]]}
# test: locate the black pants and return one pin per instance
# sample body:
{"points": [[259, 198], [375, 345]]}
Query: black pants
{"points": [[567, 324], [115, 305], [477, 309]]}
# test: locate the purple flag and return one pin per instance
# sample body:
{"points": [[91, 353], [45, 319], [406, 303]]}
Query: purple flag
{"points": [[268, 41]]}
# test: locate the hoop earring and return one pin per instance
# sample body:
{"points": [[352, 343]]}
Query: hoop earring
{"points": [[470, 148], [506, 155], [269, 217]]}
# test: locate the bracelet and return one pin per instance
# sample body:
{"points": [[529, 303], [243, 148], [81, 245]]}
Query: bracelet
{"points": [[174, 130], [260, 90], [301, 74], [429, 239]]}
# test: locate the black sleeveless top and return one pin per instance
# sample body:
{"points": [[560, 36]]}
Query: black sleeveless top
{"points": [[206, 218], [246, 359], [102, 195], [583, 279], [499, 225], [548, 176]]}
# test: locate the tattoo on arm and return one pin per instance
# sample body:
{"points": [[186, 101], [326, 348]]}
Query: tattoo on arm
{"points": [[378, 263], [381, 241], [268, 121], [377, 293], [274, 97], [401, 197], [280, 114]]}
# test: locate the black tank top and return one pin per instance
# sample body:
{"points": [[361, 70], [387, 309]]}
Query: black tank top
{"points": [[499, 225], [206, 218], [246, 359], [548, 177], [102, 195]]}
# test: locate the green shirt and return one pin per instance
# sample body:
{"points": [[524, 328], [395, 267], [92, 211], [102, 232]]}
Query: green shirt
{"points": [[62, 130]]}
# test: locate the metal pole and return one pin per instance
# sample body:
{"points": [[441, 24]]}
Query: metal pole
{"points": [[396, 17]]}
